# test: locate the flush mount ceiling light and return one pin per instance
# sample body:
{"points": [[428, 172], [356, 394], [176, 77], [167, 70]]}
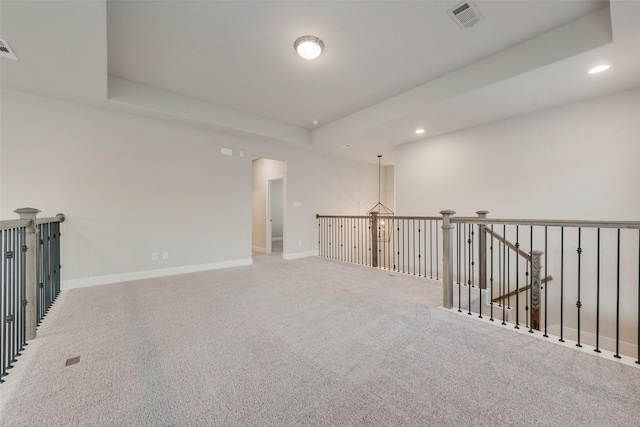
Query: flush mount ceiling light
{"points": [[309, 47], [598, 69], [419, 131]]}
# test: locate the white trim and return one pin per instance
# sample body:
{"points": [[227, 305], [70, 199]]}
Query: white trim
{"points": [[554, 339], [297, 255], [589, 338], [137, 275], [259, 249]]}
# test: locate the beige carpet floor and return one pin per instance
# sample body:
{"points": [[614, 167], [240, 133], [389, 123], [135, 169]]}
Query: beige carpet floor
{"points": [[309, 342]]}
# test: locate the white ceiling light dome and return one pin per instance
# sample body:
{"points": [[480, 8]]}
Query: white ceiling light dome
{"points": [[309, 47]]}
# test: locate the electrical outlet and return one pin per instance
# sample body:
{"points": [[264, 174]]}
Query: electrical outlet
{"points": [[165, 255], [154, 256], [299, 242]]}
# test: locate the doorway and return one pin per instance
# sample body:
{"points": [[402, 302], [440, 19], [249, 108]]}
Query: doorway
{"points": [[268, 201], [275, 212]]}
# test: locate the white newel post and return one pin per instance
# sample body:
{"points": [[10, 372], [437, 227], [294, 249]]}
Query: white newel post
{"points": [[447, 260], [31, 276]]}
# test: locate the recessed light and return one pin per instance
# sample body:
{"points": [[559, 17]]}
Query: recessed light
{"points": [[419, 131], [599, 69], [315, 122]]}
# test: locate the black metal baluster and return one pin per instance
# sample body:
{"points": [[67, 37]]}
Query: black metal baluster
{"points": [[470, 277], [319, 236], [517, 278], [419, 249], [431, 249], [325, 231], [58, 263], [504, 273], [464, 254], [459, 270], [341, 238], [354, 240], [359, 240], [3, 308], [561, 284], [14, 299], [381, 242], [23, 288], [638, 324], [390, 243], [329, 238], [617, 355], [529, 308], [526, 294], [508, 274], [346, 243], [52, 267], [361, 245], [546, 285], [321, 240], [347, 240], [500, 278], [473, 270], [413, 237], [597, 349], [579, 303], [472, 258], [45, 257], [399, 248], [424, 245], [363, 240], [408, 253], [491, 276], [437, 258], [336, 238]]}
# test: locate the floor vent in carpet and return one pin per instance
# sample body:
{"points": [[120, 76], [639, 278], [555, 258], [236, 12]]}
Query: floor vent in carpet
{"points": [[72, 361]]}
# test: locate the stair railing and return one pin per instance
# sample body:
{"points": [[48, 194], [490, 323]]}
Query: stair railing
{"points": [[405, 244], [596, 300], [29, 279]]}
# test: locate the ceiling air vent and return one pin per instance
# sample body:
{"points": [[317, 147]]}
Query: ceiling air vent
{"points": [[466, 15], [6, 51]]}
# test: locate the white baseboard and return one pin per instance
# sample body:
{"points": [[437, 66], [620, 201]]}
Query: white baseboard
{"points": [[259, 249], [629, 360], [590, 339], [297, 255], [137, 275]]}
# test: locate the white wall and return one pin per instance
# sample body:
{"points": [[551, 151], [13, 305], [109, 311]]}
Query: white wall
{"points": [[263, 171], [579, 161], [131, 186]]}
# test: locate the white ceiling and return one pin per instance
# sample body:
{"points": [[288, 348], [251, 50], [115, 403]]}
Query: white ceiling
{"points": [[388, 67]]}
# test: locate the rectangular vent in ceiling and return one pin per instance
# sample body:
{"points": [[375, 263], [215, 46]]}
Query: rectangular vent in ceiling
{"points": [[6, 51], [466, 15]]}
